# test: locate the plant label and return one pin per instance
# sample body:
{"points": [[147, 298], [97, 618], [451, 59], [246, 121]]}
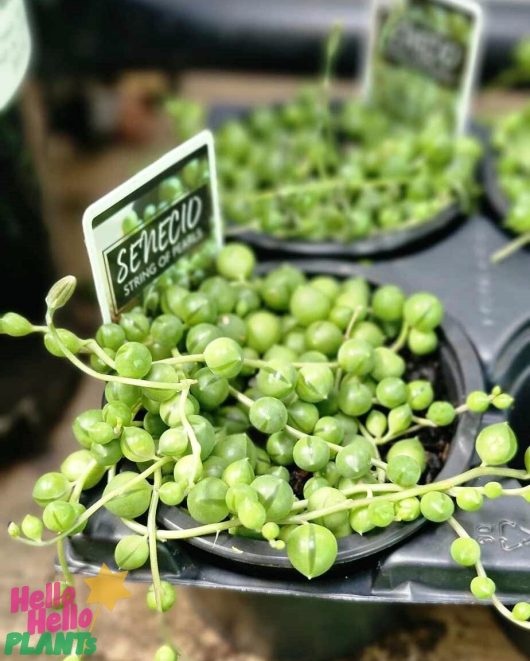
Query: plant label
{"points": [[164, 218], [422, 58], [15, 48]]}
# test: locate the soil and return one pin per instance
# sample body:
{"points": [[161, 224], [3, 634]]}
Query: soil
{"points": [[436, 440]]}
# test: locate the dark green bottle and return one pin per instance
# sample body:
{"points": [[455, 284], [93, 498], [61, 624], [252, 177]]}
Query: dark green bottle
{"points": [[33, 385]]}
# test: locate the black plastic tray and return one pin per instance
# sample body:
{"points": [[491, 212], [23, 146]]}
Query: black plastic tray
{"points": [[496, 197], [361, 600], [493, 305]]}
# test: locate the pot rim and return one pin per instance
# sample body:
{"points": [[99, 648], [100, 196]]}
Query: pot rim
{"points": [[378, 245], [463, 373]]}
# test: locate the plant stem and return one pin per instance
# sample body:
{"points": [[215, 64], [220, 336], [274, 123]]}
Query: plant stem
{"points": [[361, 488], [264, 364], [88, 346], [506, 612], [331, 364], [332, 509], [247, 401], [518, 491], [62, 561], [324, 120], [300, 434], [195, 445], [510, 248], [294, 432], [199, 531], [99, 504], [464, 408], [381, 471], [94, 347], [418, 490], [234, 230], [142, 383], [479, 567], [391, 437], [380, 464], [349, 328], [163, 535], [401, 338], [208, 529], [151, 534], [135, 526], [350, 491], [366, 433], [394, 492], [457, 527], [353, 320], [423, 422], [182, 360], [80, 483], [257, 363]]}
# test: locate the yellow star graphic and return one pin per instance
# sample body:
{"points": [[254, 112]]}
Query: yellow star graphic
{"points": [[107, 587]]}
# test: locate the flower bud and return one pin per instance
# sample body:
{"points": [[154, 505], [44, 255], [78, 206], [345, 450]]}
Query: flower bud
{"points": [[61, 292]]}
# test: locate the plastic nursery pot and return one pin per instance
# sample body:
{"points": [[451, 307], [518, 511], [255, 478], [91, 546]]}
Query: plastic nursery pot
{"points": [[497, 200], [461, 373], [505, 181], [380, 245]]}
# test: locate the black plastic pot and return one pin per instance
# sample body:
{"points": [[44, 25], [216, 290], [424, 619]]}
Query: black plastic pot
{"points": [[462, 374], [497, 201], [30, 403], [377, 246], [381, 245]]}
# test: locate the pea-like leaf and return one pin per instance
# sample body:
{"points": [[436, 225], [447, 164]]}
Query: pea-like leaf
{"points": [[312, 549]]}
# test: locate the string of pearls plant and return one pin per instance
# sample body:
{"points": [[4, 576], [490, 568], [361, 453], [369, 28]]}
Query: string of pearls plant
{"points": [[510, 139], [277, 407]]}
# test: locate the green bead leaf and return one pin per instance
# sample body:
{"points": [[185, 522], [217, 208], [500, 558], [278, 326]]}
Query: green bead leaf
{"points": [[312, 549]]}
